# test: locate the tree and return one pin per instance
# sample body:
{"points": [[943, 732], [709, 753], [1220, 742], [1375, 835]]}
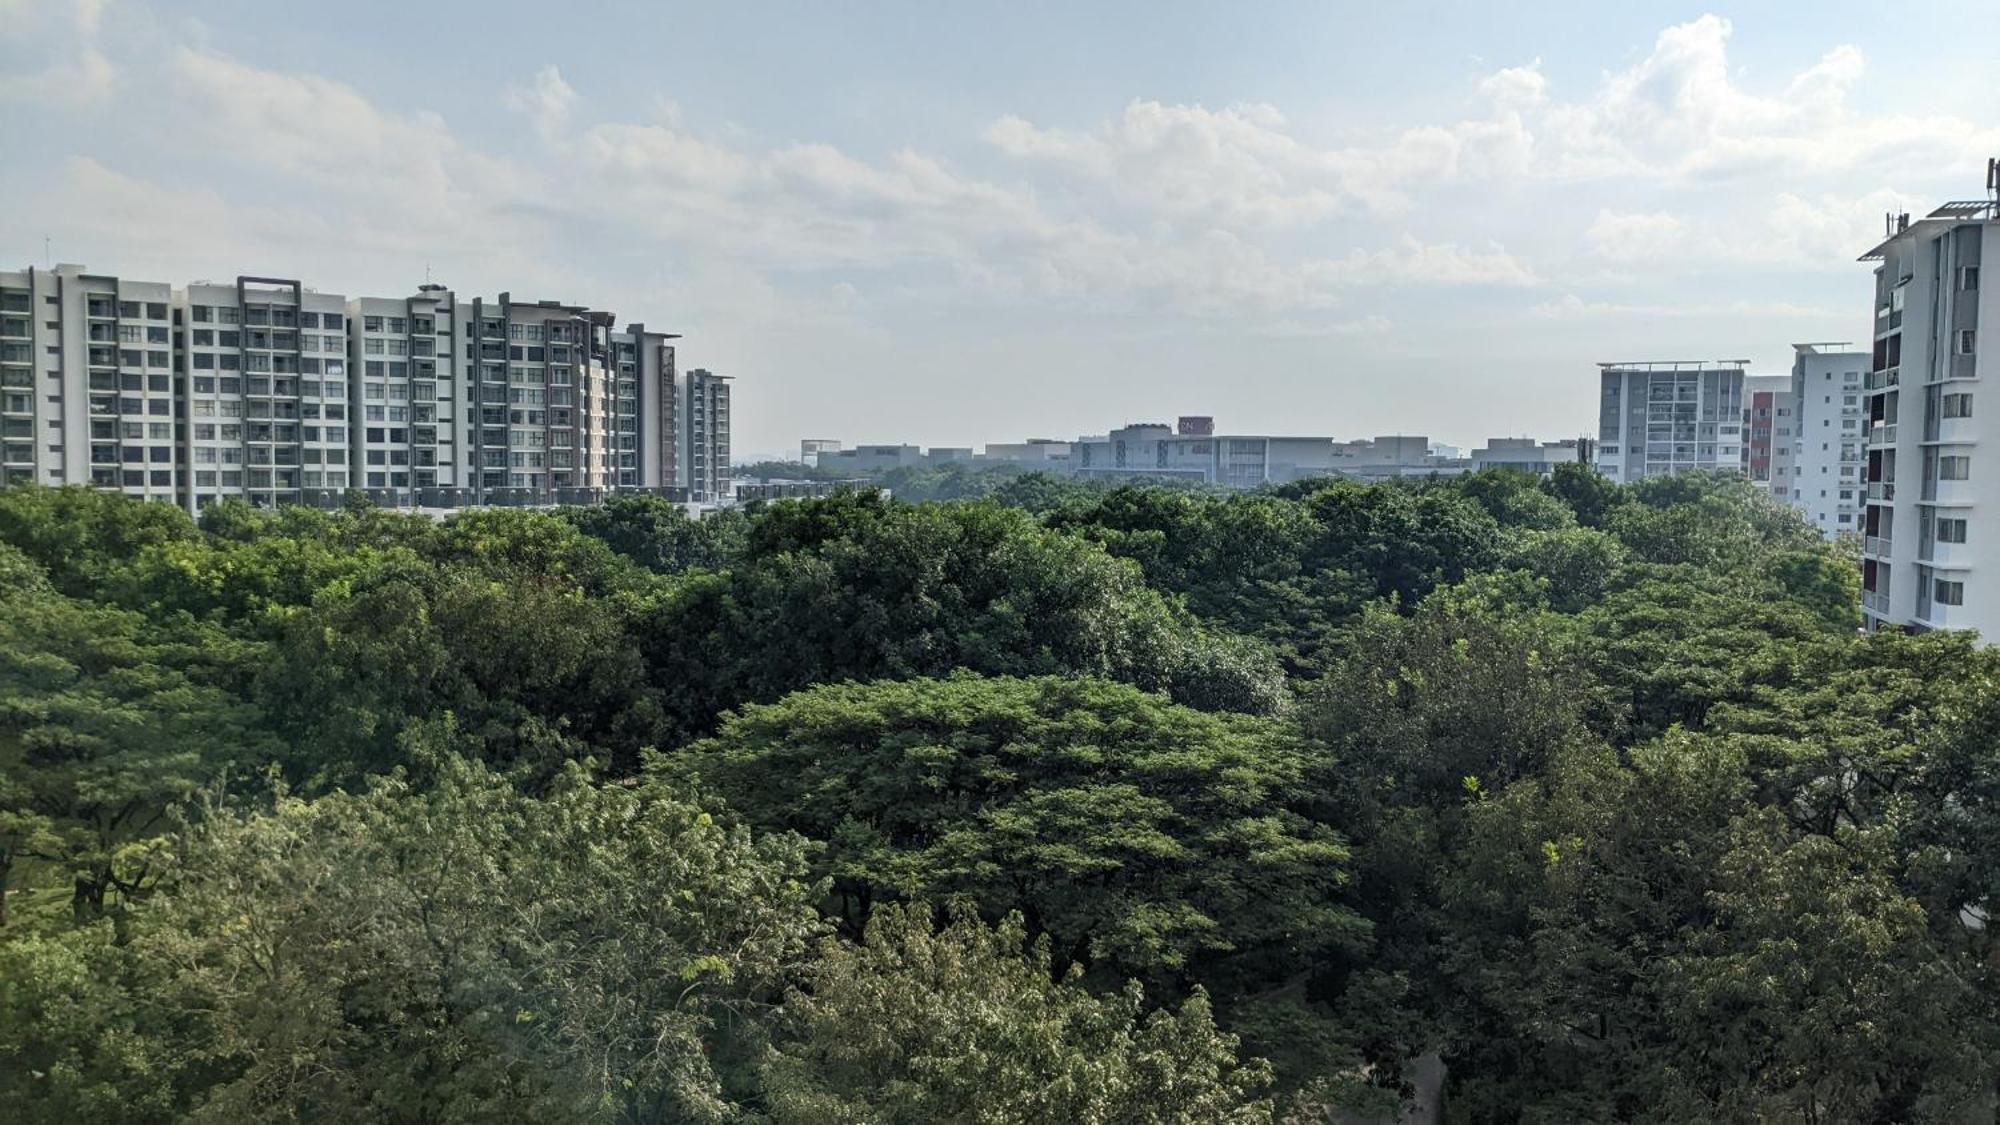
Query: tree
{"points": [[855, 587], [659, 535], [1822, 993], [462, 953], [1587, 492], [105, 723], [1142, 838], [79, 535], [916, 1024]]}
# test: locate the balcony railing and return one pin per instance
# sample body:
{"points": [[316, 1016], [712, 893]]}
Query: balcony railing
{"points": [[1883, 433], [1876, 545], [1877, 380], [1882, 490], [1876, 603]]}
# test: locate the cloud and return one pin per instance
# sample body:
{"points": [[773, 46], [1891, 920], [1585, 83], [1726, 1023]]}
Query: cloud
{"points": [[1241, 165], [1679, 113], [1572, 307], [80, 75], [1635, 237], [548, 101]]}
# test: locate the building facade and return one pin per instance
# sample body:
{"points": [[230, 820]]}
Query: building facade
{"points": [[267, 390], [1770, 423], [704, 456], [1526, 454], [1670, 417], [1826, 446], [1931, 460]]}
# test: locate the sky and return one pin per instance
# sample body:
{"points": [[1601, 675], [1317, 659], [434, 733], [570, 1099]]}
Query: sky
{"points": [[960, 223]]}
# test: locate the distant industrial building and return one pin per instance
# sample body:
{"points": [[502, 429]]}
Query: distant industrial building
{"points": [[811, 448], [1526, 454]]}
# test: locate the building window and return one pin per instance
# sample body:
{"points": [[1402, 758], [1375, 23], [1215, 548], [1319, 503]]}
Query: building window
{"points": [[1958, 405], [1946, 592], [1968, 277], [1951, 530], [1955, 468], [1967, 338]]}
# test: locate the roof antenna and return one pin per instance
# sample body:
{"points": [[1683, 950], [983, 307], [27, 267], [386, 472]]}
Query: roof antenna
{"points": [[48, 260], [1993, 177]]}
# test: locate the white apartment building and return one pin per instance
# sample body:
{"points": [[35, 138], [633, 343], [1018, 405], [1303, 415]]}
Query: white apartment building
{"points": [[1826, 447], [704, 459], [87, 382], [1669, 417], [1931, 459], [268, 390], [1770, 423]]}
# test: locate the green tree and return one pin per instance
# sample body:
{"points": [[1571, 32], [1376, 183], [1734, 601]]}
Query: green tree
{"points": [[1144, 839], [80, 535], [916, 1025], [461, 953], [856, 587], [659, 535]]}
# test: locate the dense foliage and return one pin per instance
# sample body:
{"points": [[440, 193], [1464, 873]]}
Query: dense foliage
{"points": [[1013, 799]]}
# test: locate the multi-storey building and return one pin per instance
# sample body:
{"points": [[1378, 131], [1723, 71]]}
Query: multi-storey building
{"points": [[1769, 430], [267, 390], [649, 416], [1672, 417], [704, 456], [1931, 459], [87, 382], [1524, 454], [1826, 445]]}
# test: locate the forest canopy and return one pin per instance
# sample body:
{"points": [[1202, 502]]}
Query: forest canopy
{"points": [[1041, 801]]}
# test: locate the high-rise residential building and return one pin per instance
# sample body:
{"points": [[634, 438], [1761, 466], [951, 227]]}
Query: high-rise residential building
{"points": [[646, 363], [1769, 423], [705, 437], [268, 390], [87, 378], [1932, 460], [265, 389], [1669, 417], [1826, 457]]}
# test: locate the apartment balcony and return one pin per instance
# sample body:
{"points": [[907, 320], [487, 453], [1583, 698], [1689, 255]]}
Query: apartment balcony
{"points": [[1882, 490], [1876, 545], [1878, 380], [1875, 603], [1883, 433]]}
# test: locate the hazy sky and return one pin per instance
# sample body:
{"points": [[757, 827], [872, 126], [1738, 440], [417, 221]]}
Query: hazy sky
{"points": [[952, 224]]}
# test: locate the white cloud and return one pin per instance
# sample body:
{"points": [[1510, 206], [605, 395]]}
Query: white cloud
{"points": [[1678, 113], [80, 73], [1624, 237], [1572, 307], [548, 101]]}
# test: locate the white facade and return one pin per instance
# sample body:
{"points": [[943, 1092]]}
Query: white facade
{"points": [[1932, 459], [87, 382], [1524, 454], [267, 390], [1670, 417], [1826, 447], [1770, 426], [704, 460]]}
